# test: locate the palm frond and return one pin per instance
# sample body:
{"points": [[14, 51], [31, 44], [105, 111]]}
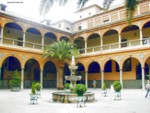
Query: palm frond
{"points": [[61, 50], [131, 6], [45, 6], [62, 2], [81, 3], [107, 3]]}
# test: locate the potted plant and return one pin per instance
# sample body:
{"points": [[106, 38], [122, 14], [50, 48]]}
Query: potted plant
{"points": [[38, 88], [104, 90], [33, 95], [117, 87], [15, 82], [80, 89], [67, 87]]}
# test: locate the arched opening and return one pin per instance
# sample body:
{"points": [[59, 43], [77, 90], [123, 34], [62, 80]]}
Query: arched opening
{"points": [[94, 73], [110, 40], [93, 41], [111, 72], [64, 38], [33, 39], [146, 34], [31, 73], [49, 38], [81, 72], [80, 44], [66, 73], [9, 66], [130, 36], [129, 73], [147, 67], [139, 71], [49, 75], [13, 34]]}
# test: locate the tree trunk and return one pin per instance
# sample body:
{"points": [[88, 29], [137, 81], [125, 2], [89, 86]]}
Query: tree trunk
{"points": [[60, 71]]}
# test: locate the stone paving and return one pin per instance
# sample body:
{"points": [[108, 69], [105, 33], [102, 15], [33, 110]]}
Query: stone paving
{"points": [[133, 101]]}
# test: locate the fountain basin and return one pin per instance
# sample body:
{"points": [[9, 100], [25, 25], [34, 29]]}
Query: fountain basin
{"points": [[68, 97]]}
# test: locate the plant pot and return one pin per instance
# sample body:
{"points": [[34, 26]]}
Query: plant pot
{"points": [[117, 95], [15, 89], [104, 92], [33, 98]]}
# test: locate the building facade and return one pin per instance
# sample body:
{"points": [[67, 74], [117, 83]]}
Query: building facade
{"points": [[109, 49]]}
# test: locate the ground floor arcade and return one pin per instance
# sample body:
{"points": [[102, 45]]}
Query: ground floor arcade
{"points": [[131, 68]]}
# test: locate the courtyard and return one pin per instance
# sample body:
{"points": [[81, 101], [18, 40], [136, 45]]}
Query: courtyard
{"points": [[133, 101]]}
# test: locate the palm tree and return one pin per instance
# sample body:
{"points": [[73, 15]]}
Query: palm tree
{"points": [[61, 50], [130, 6]]}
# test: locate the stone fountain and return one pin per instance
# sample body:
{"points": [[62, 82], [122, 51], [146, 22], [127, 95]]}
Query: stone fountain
{"points": [[70, 97], [73, 78]]}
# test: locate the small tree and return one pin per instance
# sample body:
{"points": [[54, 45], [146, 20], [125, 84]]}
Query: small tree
{"points": [[16, 81], [80, 89], [67, 86], [33, 88], [37, 86], [104, 86], [117, 86]]}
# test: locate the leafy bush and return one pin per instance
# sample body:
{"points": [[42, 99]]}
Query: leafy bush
{"points": [[104, 86], [117, 86], [67, 86], [16, 81], [80, 89], [33, 88], [38, 86]]}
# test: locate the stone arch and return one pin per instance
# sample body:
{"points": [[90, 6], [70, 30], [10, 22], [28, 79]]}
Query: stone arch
{"points": [[64, 38], [49, 38], [9, 65], [125, 58], [49, 75], [14, 55], [145, 22], [125, 26]]}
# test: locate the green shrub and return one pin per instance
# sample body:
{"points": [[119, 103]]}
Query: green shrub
{"points": [[16, 81], [67, 86], [117, 86], [80, 89], [38, 86], [104, 86], [33, 88]]}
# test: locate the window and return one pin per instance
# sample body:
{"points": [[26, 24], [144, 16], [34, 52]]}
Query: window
{"points": [[79, 28], [59, 26]]}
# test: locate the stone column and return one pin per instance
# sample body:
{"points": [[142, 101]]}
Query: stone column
{"points": [[101, 43], [42, 44], [85, 46], [24, 39], [102, 78], [1, 37], [121, 80], [143, 78], [41, 78], [86, 78], [119, 40], [141, 36], [22, 78]]}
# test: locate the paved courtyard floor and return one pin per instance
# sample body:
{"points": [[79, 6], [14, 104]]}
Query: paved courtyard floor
{"points": [[133, 101]]}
